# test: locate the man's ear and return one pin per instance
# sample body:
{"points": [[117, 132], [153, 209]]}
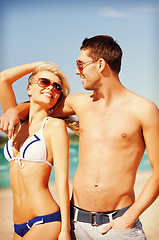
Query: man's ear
{"points": [[101, 64]]}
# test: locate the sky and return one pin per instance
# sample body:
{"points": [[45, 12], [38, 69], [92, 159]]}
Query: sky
{"points": [[53, 31]]}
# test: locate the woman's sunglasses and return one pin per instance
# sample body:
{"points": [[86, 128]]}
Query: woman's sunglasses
{"points": [[44, 83]]}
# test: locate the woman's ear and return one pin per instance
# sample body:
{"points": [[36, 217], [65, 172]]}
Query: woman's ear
{"points": [[29, 90]]}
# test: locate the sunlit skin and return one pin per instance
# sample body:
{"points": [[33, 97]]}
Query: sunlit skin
{"points": [[22, 187], [117, 147], [115, 127], [31, 194]]}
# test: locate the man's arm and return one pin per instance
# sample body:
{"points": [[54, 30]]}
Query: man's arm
{"points": [[12, 116], [150, 127], [149, 118], [66, 107]]}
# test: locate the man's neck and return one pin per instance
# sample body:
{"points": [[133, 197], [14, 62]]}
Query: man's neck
{"points": [[109, 90]]}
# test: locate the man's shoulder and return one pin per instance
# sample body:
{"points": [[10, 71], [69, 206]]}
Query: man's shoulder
{"points": [[145, 103], [78, 97], [144, 107]]}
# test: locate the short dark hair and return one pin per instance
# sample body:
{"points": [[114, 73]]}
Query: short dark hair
{"points": [[103, 46]]}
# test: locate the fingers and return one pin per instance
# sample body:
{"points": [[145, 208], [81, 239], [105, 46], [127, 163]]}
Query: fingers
{"points": [[107, 228], [3, 126], [119, 223], [10, 130], [7, 122], [15, 128]]}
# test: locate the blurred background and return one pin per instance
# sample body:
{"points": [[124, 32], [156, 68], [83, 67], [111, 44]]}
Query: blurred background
{"points": [[53, 30]]}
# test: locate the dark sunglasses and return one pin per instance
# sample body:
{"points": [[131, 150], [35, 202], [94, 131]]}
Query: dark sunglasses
{"points": [[44, 83]]}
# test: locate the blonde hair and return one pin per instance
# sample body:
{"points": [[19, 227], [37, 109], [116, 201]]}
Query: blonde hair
{"points": [[72, 124], [53, 68]]}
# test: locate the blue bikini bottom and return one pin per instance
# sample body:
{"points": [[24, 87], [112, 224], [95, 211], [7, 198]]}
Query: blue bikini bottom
{"points": [[22, 229]]}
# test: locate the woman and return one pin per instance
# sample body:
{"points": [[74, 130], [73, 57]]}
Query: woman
{"points": [[38, 144]]}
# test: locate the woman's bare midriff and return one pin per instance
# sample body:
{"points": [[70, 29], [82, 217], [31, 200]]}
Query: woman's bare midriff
{"points": [[31, 195]]}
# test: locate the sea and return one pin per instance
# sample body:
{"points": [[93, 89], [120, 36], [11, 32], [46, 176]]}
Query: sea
{"points": [[73, 163]]}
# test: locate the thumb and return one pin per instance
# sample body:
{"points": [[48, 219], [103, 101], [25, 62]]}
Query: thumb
{"points": [[107, 228]]}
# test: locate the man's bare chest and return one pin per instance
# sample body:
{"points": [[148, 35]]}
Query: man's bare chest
{"points": [[116, 125]]}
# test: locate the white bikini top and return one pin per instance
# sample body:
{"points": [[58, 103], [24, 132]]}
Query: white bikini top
{"points": [[33, 149]]}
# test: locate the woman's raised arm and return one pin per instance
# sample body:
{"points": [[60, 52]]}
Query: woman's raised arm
{"points": [[7, 78]]}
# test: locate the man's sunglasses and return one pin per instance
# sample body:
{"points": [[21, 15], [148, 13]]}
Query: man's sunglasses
{"points": [[80, 66], [44, 83]]}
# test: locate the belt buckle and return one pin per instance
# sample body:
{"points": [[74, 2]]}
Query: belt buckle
{"points": [[92, 218]]}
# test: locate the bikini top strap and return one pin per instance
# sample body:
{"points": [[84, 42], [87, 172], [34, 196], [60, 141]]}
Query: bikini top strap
{"points": [[43, 125]]}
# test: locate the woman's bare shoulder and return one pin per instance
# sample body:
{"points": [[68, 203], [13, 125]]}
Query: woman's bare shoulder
{"points": [[55, 122]]}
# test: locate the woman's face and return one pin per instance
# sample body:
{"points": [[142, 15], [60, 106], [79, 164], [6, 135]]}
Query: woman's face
{"points": [[45, 89]]}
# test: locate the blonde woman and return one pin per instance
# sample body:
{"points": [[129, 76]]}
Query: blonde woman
{"points": [[38, 144]]}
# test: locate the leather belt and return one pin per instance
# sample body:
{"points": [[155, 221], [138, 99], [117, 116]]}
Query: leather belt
{"points": [[94, 218]]}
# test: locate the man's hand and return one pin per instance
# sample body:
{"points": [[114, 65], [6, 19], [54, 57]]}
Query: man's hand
{"points": [[118, 223], [9, 121]]}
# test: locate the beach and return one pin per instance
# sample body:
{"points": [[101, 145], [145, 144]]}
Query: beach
{"points": [[149, 219]]}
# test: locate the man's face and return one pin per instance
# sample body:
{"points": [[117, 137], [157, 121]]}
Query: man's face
{"points": [[87, 69]]}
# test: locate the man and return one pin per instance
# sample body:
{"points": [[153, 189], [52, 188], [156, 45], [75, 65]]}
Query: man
{"points": [[116, 126]]}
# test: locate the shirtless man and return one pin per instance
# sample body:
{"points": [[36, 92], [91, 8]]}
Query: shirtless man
{"points": [[116, 126]]}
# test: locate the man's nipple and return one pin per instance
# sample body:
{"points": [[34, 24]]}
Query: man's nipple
{"points": [[124, 135]]}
